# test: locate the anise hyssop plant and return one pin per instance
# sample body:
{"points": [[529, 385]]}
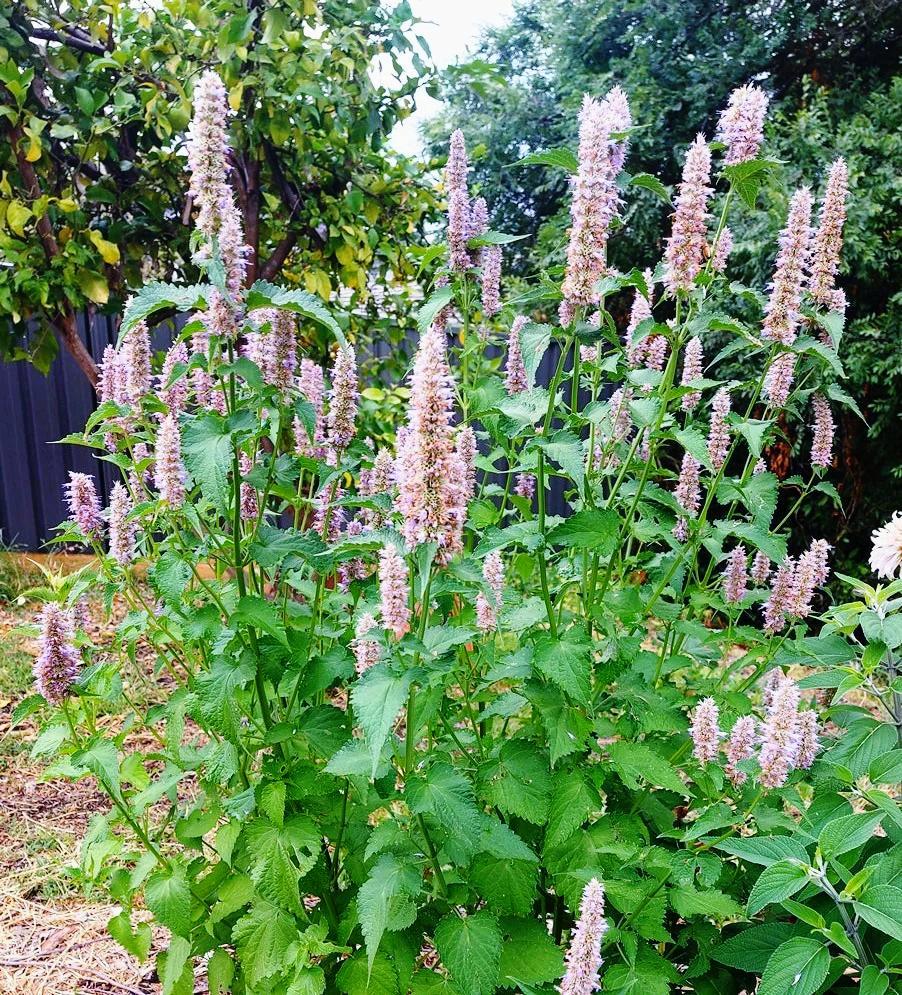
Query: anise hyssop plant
{"points": [[409, 731]]}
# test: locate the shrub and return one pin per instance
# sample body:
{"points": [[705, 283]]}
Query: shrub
{"points": [[419, 734]]}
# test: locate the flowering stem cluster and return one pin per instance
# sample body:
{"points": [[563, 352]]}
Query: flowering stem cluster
{"points": [[431, 727]]}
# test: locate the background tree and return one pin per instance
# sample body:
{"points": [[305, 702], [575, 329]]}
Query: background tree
{"points": [[829, 69], [94, 101]]}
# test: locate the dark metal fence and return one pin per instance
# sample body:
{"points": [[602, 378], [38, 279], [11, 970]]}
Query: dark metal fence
{"points": [[39, 410]]}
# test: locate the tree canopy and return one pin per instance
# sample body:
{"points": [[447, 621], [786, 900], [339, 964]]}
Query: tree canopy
{"points": [[828, 66], [94, 101]]}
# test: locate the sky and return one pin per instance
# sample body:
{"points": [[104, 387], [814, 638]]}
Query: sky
{"points": [[451, 28]]}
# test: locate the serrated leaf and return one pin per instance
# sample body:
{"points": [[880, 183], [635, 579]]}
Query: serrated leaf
{"points": [[779, 881], [207, 450], [280, 856], [518, 782], [571, 803], [534, 342], [434, 303], [377, 698], [153, 297], [566, 661], [384, 901], [136, 942], [530, 956], [508, 886], [592, 528], [796, 967], [264, 938], [751, 949], [881, 907], [258, 613], [847, 833], [688, 902], [765, 850], [648, 182], [168, 897], [470, 948], [560, 158], [448, 796], [635, 760], [263, 294]]}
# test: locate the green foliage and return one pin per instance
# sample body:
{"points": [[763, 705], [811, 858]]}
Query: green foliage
{"points": [[94, 105]]}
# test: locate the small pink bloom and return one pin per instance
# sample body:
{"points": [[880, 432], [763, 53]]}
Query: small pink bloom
{"points": [[516, 381], [84, 504], [583, 957], [122, 529], [741, 125], [58, 661], [705, 731], [394, 590]]}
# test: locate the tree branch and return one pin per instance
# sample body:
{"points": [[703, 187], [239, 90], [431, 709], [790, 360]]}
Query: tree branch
{"points": [[271, 268], [71, 40]]}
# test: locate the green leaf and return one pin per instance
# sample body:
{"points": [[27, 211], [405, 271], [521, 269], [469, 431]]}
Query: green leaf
{"points": [[567, 725], [648, 182], [796, 967], [431, 983], [385, 900], [774, 546], [136, 942], [470, 948], [518, 782], [592, 528], [635, 760], [508, 886], [434, 303], [559, 158], [571, 803], [153, 297], [751, 949], [566, 449], [567, 662], [258, 613], [168, 897], [174, 968], [377, 698], [280, 856], [169, 576], [847, 833], [215, 691], [873, 981], [746, 178], [530, 956], [765, 850], [356, 977], [779, 881], [688, 902], [264, 939], [881, 907], [263, 294], [447, 795], [220, 972], [207, 449], [534, 342]]}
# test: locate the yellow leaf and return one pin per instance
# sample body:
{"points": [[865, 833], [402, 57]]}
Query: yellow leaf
{"points": [[94, 287], [235, 95], [67, 204], [33, 153], [16, 216], [108, 252]]}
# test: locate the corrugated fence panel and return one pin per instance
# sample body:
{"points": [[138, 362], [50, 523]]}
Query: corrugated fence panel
{"points": [[37, 411]]}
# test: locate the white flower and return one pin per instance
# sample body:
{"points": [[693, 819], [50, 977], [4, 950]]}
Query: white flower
{"points": [[886, 556]]}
